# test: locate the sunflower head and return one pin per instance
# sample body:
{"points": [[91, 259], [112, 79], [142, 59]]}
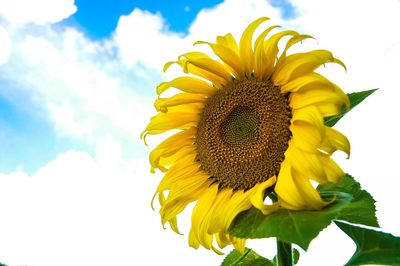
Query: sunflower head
{"points": [[249, 121]]}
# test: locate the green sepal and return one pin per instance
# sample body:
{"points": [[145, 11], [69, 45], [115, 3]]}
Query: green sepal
{"points": [[362, 209], [355, 98], [373, 247], [298, 227], [295, 256], [248, 258]]}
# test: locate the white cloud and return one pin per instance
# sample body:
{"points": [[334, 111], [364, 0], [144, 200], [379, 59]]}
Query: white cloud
{"points": [[231, 16], [5, 41], [40, 12], [78, 82], [143, 38], [85, 210]]}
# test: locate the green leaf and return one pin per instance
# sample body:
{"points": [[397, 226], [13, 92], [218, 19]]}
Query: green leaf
{"points": [[299, 227], [355, 98], [362, 209], [373, 247], [249, 258]]}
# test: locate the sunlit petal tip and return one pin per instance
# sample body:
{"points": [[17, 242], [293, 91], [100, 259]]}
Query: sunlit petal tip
{"points": [[217, 250], [199, 42], [185, 67], [306, 36], [167, 65], [239, 244], [258, 198], [143, 136], [173, 223], [152, 201], [339, 62], [161, 87]]}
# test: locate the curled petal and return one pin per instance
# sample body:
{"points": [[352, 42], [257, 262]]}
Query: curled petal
{"points": [[300, 64]]}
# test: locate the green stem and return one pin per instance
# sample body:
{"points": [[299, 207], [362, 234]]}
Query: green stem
{"points": [[284, 253]]}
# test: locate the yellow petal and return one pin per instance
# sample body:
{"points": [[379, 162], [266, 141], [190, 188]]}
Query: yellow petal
{"points": [[334, 140], [333, 171], [310, 115], [187, 84], [174, 225], [222, 239], [296, 192], [239, 244], [162, 104], [288, 194], [305, 136], [271, 51], [292, 41], [304, 82], [307, 163], [174, 175], [163, 122], [311, 197], [300, 64], [192, 69], [172, 145], [245, 47], [229, 42], [323, 95], [189, 185], [175, 204], [258, 198], [261, 60], [193, 241], [218, 70], [238, 202], [228, 56], [199, 216], [217, 212], [211, 66]]}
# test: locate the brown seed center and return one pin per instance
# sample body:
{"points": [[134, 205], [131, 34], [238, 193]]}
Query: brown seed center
{"points": [[243, 133]]}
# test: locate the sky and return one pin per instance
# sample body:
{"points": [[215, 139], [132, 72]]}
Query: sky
{"points": [[77, 84]]}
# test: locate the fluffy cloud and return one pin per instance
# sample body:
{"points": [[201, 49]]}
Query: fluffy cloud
{"points": [[40, 12], [231, 16], [143, 38], [79, 83], [86, 210], [5, 41]]}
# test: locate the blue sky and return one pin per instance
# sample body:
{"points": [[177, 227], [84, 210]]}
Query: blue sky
{"points": [[77, 84], [99, 18]]}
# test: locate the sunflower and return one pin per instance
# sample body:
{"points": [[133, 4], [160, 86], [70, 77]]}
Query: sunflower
{"points": [[248, 122]]}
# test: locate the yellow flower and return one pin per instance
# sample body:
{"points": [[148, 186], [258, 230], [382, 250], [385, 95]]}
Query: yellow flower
{"points": [[248, 122]]}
